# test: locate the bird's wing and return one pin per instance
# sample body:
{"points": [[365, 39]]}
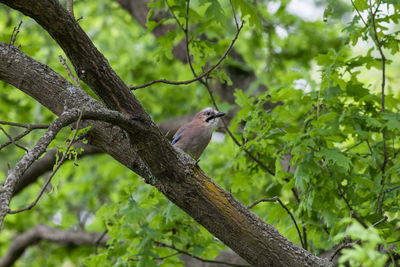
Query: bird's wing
{"points": [[176, 138]]}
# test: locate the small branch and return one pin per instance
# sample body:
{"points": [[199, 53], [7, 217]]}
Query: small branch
{"points": [[350, 207], [383, 58], [234, 14], [72, 76], [381, 221], [186, 31], [14, 34], [391, 189], [174, 16], [26, 126], [96, 245], [274, 199], [359, 14], [29, 128], [11, 140], [60, 162], [196, 257], [204, 74]]}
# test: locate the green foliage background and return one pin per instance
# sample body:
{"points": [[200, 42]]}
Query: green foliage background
{"points": [[326, 73]]}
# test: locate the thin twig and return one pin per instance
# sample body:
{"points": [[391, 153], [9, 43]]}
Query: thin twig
{"points": [[63, 158], [12, 140], [26, 126], [160, 244], [96, 245], [186, 31], [72, 76], [204, 74], [234, 14], [350, 207], [14, 34], [29, 128], [392, 189], [274, 199], [383, 58], [359, 14], [174, 16]]}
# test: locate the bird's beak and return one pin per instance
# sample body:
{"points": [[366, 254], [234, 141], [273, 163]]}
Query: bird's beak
{"points": [[220, 114]]}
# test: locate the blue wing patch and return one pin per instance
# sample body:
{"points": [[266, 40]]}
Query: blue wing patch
{"points": [[176, 139]]}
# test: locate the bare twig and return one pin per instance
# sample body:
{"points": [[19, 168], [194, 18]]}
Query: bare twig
{"points": [[174, 16], [392, 189], [350, 207], [234, 14], [29, 128], [274, 199], [204, 74], [61, 161], [14, 34], [72, 76], [186, 31], [97, 243], [11, 140], [26, 126], [359, 14], [160, 244], [383, 58]]}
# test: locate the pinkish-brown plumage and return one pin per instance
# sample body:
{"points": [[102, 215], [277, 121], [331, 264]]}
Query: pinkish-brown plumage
{"points": [[194, 136]]}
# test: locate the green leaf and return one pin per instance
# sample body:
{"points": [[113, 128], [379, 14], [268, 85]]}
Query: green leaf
{"points": [[334, 156]]}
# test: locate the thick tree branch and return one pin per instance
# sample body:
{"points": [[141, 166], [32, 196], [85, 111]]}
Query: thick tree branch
{"points": [[44, 232]]}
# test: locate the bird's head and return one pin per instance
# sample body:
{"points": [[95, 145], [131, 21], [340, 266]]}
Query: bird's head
{"points": [[209, 117]]}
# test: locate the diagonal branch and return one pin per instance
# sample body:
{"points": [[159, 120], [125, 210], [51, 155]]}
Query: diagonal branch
{"points": [[184, 252], [12, 140]]}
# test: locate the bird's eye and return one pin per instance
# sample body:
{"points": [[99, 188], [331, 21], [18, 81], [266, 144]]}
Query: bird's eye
{"points": [[207, 113]]}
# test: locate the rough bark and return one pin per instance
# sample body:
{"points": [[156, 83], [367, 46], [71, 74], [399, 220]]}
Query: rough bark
{"points": [[44, 232], [173, 172]]}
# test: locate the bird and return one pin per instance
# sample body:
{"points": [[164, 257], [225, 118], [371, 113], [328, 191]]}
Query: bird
{"points": [[194, 136]]}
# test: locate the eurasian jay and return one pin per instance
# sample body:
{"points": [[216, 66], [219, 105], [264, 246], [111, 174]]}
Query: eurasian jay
{"points": [[194, 136]]}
